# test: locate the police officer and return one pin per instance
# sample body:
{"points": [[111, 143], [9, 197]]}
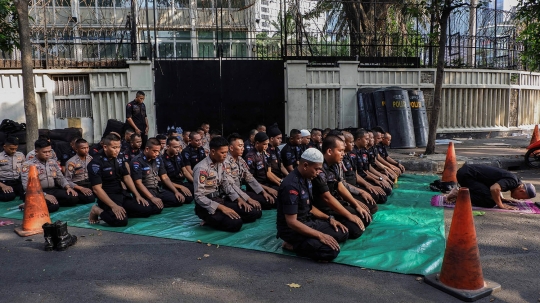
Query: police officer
{"points": [[316, 139], [351, 176], [193, 154], [174, 165], [204, 131], [250, 142], [304, 140], [163, 142], [65, 152], [10, 171], [185, 139], [303, 228], [290, 154], [383, 150], [374, 157], [261, 128], [134, 148], [364, 169], [331, 196], [136, 116], [273, 156], [50, 175], [218, 204], [238, 172], [77, 172], [114, 204], [125, 143], [257, 162], [148, 173], [32, 153]]}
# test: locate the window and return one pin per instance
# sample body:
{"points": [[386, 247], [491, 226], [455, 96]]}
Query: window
{"points": [[264, 9], [264, 2], [265, 17]]}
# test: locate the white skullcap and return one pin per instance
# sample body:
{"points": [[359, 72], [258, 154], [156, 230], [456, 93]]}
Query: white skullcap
{"points": [[304, 133], [313, 155]]}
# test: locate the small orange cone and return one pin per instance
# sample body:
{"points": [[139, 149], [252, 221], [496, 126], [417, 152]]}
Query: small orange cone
{"points": [[535, 136], [461, 273], [35, 208], [450, 165]]}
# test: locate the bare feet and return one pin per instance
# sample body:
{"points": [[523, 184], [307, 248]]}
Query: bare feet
{"points": [[93, 218], [452, 196], [287, 246]]}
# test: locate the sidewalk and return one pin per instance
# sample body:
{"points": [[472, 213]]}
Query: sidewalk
{"points": [[503, 152]]}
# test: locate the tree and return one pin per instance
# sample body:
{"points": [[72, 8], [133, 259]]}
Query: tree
{"points": [[440, 10], [15, 33], [529, 13]]}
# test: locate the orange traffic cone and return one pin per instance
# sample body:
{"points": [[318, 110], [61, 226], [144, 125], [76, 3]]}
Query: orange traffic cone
{"points": [[35, 208], [535, 135], [450, 165], [461, 274]]}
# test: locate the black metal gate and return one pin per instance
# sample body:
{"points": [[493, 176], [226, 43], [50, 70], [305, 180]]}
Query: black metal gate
{"points": [[231, 95]]}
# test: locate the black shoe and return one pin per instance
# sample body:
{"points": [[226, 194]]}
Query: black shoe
{"points": [[64, 239], [49, 232]]}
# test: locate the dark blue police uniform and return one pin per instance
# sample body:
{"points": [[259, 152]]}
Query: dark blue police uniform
{"points": [[193, 155], [109, 172], [295, 198], [173, 166]]}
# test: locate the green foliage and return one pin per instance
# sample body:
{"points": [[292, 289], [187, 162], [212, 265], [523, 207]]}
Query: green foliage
{"points": [[8, 26], [529, 13]]}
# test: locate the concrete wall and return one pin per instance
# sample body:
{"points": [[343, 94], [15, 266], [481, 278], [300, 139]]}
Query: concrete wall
{"points": [[110, 91], [473, 100]]}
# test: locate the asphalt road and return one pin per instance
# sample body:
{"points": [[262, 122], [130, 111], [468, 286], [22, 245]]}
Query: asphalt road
{"points": [[114, 267]]}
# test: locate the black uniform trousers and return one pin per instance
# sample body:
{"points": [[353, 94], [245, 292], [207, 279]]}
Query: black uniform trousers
{"points": [[265, 205], [354, 230], [18, 190], [132, 207], [465, 179], [311, 247], [373, 208], [84, 199], [387, 191], [379, 198], [189, 186], [221, 221], [62, 196], [167, 197]]}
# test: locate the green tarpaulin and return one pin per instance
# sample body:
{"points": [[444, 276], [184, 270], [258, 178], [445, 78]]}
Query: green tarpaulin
{"points": [[406, 236]]}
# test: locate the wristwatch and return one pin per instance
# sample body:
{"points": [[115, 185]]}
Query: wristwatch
{"points": [[380, 178], [330, 218]]}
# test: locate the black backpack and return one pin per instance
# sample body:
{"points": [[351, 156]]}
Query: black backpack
{"points": [[9, 126]]}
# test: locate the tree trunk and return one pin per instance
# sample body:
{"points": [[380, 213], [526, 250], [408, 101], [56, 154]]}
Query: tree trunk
{"points": [[439, 77], [30, 109]]}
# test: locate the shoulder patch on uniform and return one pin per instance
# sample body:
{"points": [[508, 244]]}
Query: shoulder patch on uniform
{"points": [[203, 175], [135, 165], [129, 104], [25, 168], [70, 167], [293, 192], [95, 168]]}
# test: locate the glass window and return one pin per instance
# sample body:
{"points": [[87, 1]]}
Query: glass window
{"points": [[206, 50], [204, 3], [166, 50], [62, 2], [239, 50], [239, 35], [226, 35], [205, 35], [184, 35], [105, 3], [226, 49], [265, 17], [183, 50], [264, 2], [238, 3]]}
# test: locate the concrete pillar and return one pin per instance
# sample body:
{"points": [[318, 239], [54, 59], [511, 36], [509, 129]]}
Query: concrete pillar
{"points": [[296, 111], [348, 80], [141, 77]]}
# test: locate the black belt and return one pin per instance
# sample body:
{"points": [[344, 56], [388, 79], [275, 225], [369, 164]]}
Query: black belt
{"points": [[84, 183], [10, 180], [213, 195]]}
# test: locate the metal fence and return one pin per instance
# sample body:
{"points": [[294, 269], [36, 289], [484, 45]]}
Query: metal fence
{"points": [[384, 34]]}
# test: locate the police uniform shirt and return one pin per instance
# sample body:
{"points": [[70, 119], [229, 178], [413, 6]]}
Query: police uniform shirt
{"points": [[10, 166], [372, 155], [173, 165], [148, 171], [258, 165], [48, 172], [273, 158], [32, 154], [362, 160], [131, 153], [183, 144], [381, 149], [193, 155], [314, 145], [238, 171], [349, 168], [248, 146], [290, 155], [294, 198], [326, 181], [124, 145], [108, 172], [94, 149], [209, 178], [64, 157], [137, 113], [77, 169]]}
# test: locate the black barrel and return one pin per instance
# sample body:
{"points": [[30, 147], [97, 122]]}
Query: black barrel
{"points": [[400, 120], [379, 105], [367, 118], [419, 116]]}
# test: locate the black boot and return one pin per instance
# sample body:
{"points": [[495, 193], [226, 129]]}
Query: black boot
{"points": [[49, 232], [64, 239]]}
